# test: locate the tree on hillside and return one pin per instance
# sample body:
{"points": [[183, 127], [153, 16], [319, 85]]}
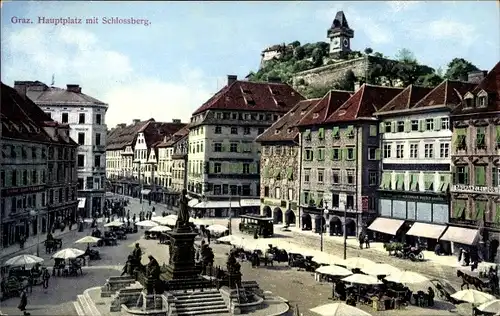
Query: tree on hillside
{"points": [[295, 44], [368, 50], [299, 53], [458, 68], [317, 57], [406, 56]]}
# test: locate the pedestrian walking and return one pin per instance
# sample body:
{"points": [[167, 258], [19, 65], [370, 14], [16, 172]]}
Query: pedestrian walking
{"points": [[24, 302], [45, 278], [367, 242], [208, 236], [361, 240]]}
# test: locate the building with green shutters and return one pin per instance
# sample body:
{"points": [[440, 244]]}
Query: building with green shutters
{"points": [[340, 160], [416, 157], [475, 157]]}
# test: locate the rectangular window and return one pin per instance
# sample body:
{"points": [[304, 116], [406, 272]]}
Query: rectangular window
{"points": [[400, 151], [335, 176], [414, 151], [400, 126], [81, 138], [462, 175], [321, 154], [246, 168], [480, 175], [64, 118], [81, 161], [372, 178], [307, 175], [81, 118], [321, 174], [429, 124], [218, 130], [387, 150], [234, 148], [373, 130], [97, 160], [444, 150], [217, 147], [350, 153], [445, 123], [429, 150], [480, 138], [98, 139], [309, 154], [246, 130], [234, 130], [336, 154], [350, 176], [387, 127], [98, 119], [414, 125]]}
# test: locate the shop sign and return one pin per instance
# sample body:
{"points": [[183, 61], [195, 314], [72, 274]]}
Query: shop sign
{"points": [[473, 188], [23, 190]]}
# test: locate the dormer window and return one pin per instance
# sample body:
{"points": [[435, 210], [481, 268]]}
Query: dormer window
{"points": [[289, 130], [218, 115], [469, 102], [277, 131], [481, 102]]}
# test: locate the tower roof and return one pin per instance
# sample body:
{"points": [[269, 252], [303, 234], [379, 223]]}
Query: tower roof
{"points": [[340, 25]]}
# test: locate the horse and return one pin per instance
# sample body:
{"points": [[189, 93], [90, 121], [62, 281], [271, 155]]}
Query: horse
{"points": [[470, 280]]}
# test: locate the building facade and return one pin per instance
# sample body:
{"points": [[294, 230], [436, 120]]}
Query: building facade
{"points": [[416, 156], [280, 166], [38, 170], [340, 166], [475, 155], [224, 159], [86, 118]]}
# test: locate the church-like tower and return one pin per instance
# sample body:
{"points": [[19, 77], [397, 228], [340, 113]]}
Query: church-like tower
{"points": [[340, 35]]}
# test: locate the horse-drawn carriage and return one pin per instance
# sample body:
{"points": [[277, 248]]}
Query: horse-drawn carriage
{"points": [[404, 251], [487, 282], [52, 244], [296, 260]]}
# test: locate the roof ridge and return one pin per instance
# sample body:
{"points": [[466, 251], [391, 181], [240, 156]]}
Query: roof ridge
{"points": [[360, 99], [409, 96]]}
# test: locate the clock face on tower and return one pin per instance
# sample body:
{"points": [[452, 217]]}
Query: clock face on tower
{"points": [[335, 42], [346, 42]]}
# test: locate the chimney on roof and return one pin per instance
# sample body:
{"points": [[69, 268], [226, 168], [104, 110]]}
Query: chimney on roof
{"points": [[176, 121], [21, 88], [476, 76], [357, 85], [274, 79], [74, 88], [231, 79], [135, 121]]}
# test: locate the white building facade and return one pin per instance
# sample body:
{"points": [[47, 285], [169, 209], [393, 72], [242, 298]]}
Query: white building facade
{"points": [[86, 118]]}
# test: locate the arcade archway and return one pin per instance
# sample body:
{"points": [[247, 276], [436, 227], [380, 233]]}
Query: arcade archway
{"points": [[277, 216], [350, 227], [267, 211], [290, 218], [306, 221], [320, 222], [336, 226]]}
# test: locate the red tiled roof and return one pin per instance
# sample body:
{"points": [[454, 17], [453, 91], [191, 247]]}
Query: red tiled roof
{"points": [[366, 101], [491, 85], [253, 96], [285, 128], [325, 107], [174, 138], [24, 120], [120, 137], [406, 99], [449, 93], [155, 132]]}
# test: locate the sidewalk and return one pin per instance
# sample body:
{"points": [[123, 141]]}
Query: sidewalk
{"points": [[30, 244], [450, 261]]}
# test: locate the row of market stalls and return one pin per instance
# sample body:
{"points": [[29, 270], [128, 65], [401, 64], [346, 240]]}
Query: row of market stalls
{"points": [[431, 234], [226, 208]]}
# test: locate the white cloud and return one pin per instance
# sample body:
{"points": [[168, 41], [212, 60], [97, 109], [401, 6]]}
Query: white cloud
{"points": [[399, 6], [448, 30], [77, 56]]}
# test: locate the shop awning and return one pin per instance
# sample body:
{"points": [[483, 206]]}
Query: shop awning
{"points": [[249, 202], [193, 202], [81, 202], [426, 230], [145, 191], [386, 225], [218, 204], [466, 236]]}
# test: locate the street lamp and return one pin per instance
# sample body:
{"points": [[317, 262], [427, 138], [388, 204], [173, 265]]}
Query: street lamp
{"points": [[34, 213], [326, 213], [140, 182], [342, 205]]}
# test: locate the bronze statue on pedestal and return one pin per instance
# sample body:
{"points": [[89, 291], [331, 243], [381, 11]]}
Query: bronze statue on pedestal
{"points": [[183, 214]]}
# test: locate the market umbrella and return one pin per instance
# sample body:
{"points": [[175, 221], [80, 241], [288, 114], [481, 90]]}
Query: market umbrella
{"points": [[231, 239], [406, 277], [114, 224], [87, 240], [256, 244], [333, 271], [217, 228], [22, 260], [324, 258], [380, 269], [357, 263], [68, 253], [473, 296], [160, 229], [164, 220], [490, 307], [338, 309], [358, 278], [146, 224]]}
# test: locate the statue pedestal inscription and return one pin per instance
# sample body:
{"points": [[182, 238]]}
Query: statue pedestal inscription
{"points": [[181, 263]]}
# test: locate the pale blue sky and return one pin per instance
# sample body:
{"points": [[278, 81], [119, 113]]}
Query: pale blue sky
{"points": [[167, 69]]}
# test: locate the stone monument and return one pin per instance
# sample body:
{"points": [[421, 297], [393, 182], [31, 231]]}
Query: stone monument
{"points": [[181, 263]]}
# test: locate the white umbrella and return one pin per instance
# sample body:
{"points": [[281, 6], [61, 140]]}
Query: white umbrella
{"points": [[362, 279], [256, 244], [232, 239], [357, 263], [473, 296], [22, 260], [324, 258], [87, 240], [217, 228], [164, 220], [380, 269], [114, 224], [338, 309], [490, 307], [160, 228], [146, 224], [333, 271], [406, 277], [68, 253]]}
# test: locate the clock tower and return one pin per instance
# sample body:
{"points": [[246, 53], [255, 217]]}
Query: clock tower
{"points": [[340, 35]]}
